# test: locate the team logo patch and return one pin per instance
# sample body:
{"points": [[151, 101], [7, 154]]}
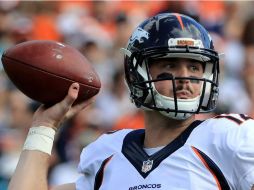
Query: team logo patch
{"points": [[185, 42], [147, 166]]}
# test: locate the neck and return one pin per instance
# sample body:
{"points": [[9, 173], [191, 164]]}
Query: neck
{"points": [[161, 130]]}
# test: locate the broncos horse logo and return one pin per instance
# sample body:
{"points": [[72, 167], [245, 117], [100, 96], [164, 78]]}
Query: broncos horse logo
{"points": [[139, 34]]}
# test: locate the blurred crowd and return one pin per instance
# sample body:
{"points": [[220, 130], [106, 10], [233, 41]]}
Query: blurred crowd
{"points": [[99, 29]]}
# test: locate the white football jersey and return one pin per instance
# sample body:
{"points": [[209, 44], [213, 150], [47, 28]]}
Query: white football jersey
{"points": [[217, 153]]}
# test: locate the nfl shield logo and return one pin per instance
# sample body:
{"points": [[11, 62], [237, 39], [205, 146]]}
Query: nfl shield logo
{"points": [[147, 166]]}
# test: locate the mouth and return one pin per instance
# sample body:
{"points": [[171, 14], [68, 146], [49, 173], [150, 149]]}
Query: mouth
{"points": [[183, 94]]}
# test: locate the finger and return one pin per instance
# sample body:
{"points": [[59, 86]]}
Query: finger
{"points": [[39, 110], [77, 108]]}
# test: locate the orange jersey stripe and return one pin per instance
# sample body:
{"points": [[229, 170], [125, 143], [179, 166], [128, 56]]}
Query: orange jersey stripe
{"points": [[206, 165], [106, 163], [179, 18]]}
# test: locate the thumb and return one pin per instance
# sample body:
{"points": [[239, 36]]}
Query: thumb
{"points": [[71, 96], [54, 115]]}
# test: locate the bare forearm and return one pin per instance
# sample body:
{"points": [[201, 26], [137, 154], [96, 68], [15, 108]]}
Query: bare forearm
{"points": [[31, 172], [32, 169]]}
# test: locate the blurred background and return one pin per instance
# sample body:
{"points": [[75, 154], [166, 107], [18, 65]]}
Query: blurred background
{"points": [[99, 29]]}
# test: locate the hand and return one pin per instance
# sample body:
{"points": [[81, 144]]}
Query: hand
{"points": [[55, 115]]}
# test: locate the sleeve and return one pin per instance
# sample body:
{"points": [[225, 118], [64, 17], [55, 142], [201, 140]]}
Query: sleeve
{"points": [[94, 154], [87, 169], [85, 182], [243, 158]]}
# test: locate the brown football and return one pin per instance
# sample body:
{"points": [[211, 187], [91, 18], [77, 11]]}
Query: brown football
{"points": [[43, 70]]}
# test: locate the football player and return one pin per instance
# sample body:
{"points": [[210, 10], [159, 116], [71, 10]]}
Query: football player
{"points": [[172, 71]]}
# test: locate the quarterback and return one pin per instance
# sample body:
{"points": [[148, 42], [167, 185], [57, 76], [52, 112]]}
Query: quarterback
{"points": [[172, 71]]}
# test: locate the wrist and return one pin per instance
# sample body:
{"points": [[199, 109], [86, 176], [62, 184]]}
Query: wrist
{"points": [[40, 138], [44, 124]]}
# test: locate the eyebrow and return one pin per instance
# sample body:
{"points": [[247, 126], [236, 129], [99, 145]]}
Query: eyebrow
{"points": [[152, 61]]}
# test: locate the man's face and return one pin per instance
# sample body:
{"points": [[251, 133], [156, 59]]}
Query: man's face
{"points": [[178, 67]]}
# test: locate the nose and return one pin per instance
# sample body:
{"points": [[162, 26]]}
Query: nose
{"points": [[182, 72]]}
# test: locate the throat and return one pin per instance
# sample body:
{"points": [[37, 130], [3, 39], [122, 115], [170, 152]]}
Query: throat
{"points": [[161, 130]]}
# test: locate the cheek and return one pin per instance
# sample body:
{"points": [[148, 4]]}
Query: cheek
{"points": [[164, 87], [197, 89]]}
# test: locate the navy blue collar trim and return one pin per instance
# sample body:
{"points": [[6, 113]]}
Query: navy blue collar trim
{"points": [[133, 149]]}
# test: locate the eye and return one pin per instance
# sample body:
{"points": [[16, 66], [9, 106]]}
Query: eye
{"points": [[169, 66], [195, 68]]}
